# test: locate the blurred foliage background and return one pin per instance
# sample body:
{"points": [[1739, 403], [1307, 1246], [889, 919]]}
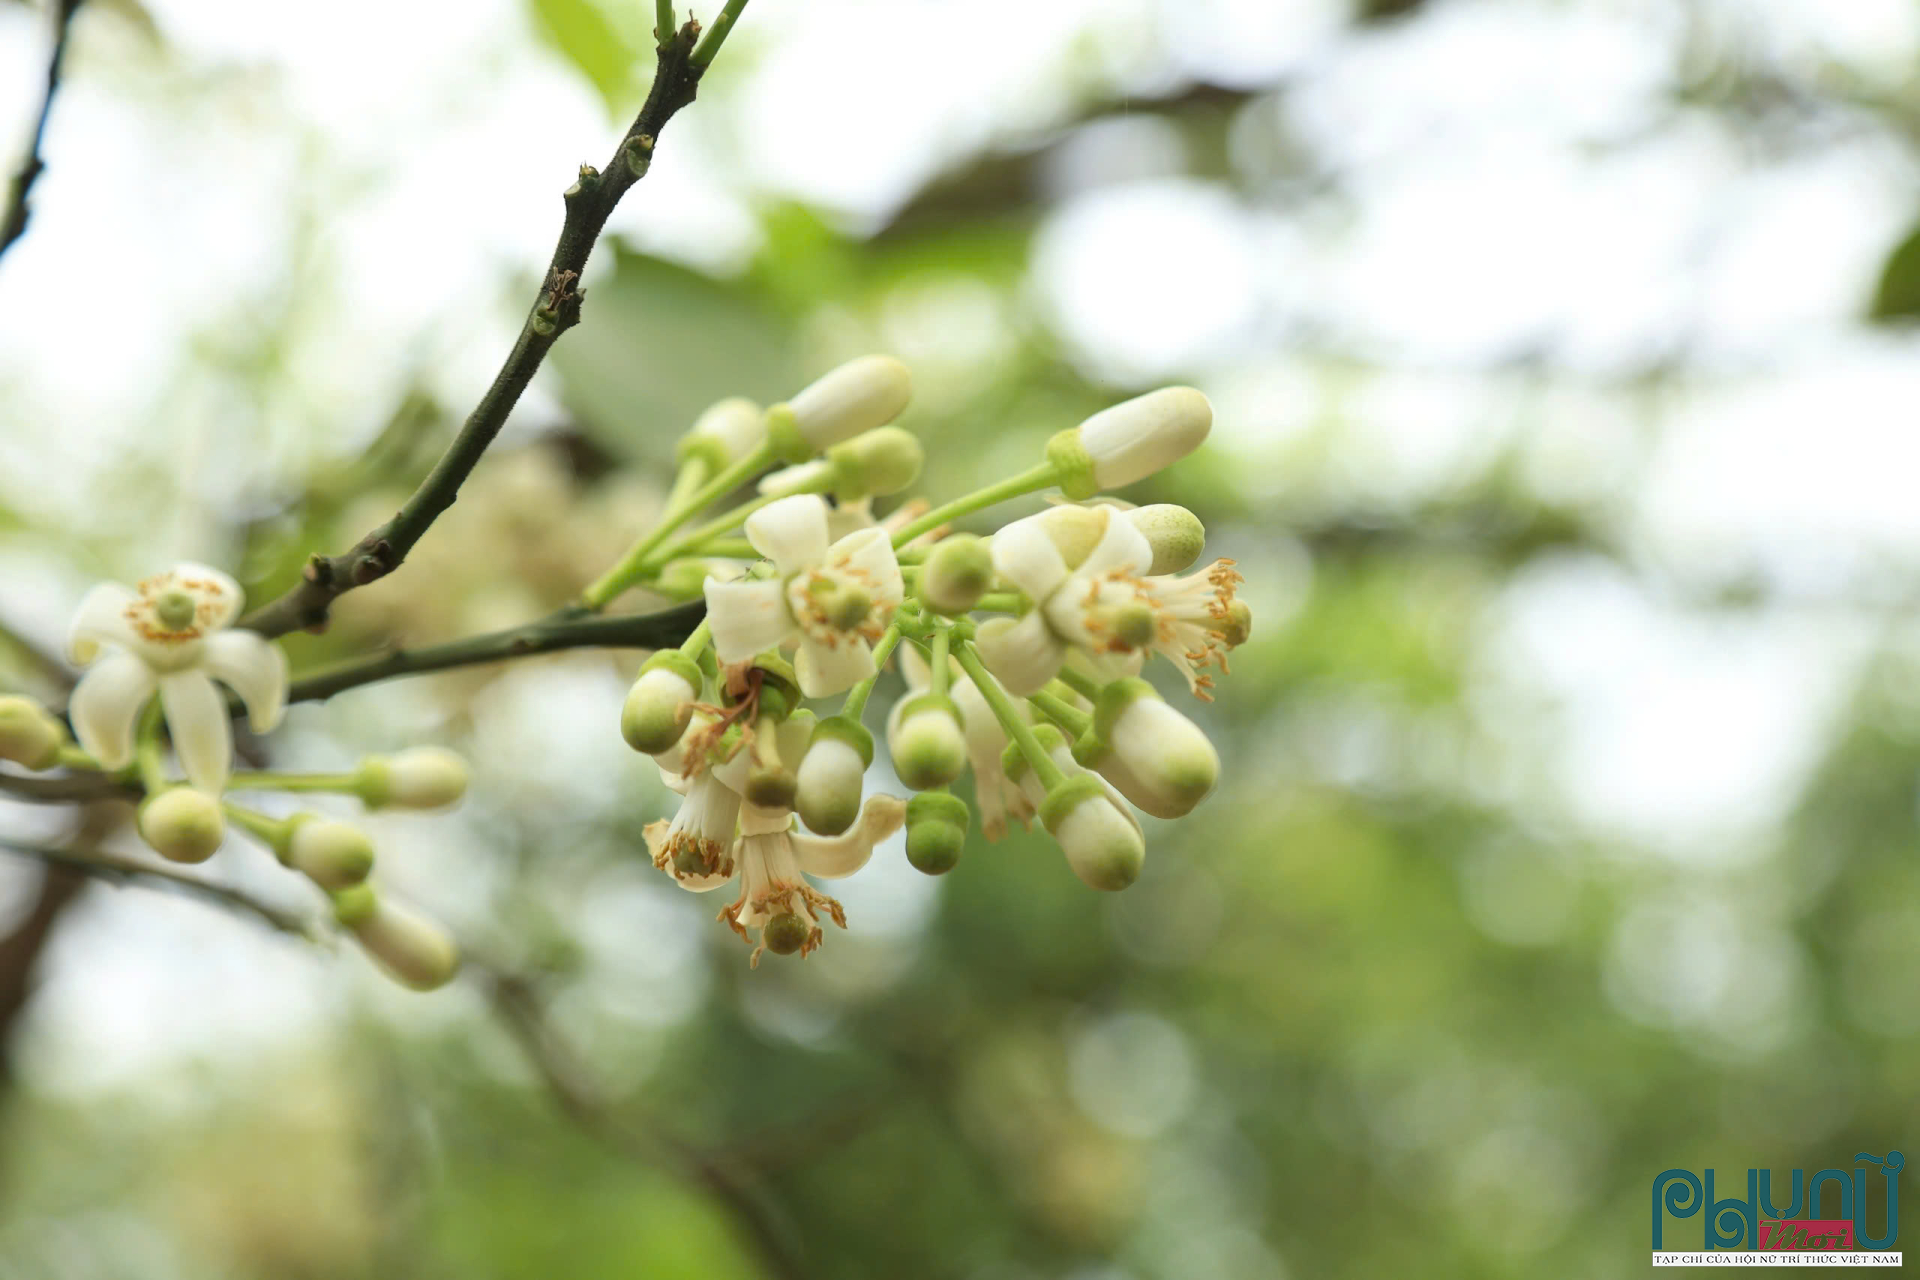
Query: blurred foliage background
{"points": [[1568, 828]]}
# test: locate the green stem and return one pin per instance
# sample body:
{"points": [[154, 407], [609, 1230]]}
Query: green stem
{"points": [[1002, 602], [663, 22], [937, 658], [263, 781], [271, 832], [1067, 716], [696, 643], [548, 635], [716, 34], [72, 757], [694, 542], [1084, 685], [555, 309], [856, 702], [1041, 477], [1009, 717], [686, 483], [632, 566], [146, 751], [720, 549]]}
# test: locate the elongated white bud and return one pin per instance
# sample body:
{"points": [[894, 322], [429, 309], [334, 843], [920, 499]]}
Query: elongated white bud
{"points": [[1131, 440], [1156, 757], [183, 824], [1175, 534], [660, 704], [30, 736], [413, 949], [417, 778], [858, 396], [1102, 844]]}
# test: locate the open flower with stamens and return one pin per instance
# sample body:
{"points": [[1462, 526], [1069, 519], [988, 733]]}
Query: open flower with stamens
{"points": [[1029, 553], [173, 633], [1108, 607], [696, 846], [835, 598], [773, 861]]}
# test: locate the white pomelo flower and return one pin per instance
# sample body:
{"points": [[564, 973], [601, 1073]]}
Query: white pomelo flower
{"points": [[836, 599], [172, 634]]}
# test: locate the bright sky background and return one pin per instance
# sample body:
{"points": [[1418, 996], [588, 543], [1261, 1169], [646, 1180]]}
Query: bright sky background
{"points": [[1518, 190]]}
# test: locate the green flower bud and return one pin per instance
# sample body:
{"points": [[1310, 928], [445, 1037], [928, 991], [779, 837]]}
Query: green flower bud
{"points": [[1175, 534], [875, 463], [30, 735], [936, 831], [182, 824], [956, 574], [832, 775], [417, 778], [926, 742], [413, 950], [334, 855], [660, 703], [1103, 845]]}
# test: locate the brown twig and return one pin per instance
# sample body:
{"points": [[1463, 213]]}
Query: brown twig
{"points": [[13, 221], [116, 869], [682, 60]]}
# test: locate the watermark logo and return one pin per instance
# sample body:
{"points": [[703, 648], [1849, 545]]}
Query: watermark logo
{"points": [[1750, 1231]]}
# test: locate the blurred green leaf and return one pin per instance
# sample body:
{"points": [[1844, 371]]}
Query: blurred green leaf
{"points": [[1898, 296], [584, 35], [660, 343]]}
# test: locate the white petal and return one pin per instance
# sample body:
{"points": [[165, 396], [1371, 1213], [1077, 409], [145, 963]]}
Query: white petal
{"points": [[213, 587], [253, 667], [869, 553], [824, 672], [747, 617], [764, 820], [105, 705], [202, 735], [791, 532], [1024, 555], [1121, 547], [1023, 655], [101, 619], [833, 857]]}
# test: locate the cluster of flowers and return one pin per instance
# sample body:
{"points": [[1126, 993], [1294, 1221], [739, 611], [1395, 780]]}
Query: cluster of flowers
{"points": [[171, 638], [1041, 697]]}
